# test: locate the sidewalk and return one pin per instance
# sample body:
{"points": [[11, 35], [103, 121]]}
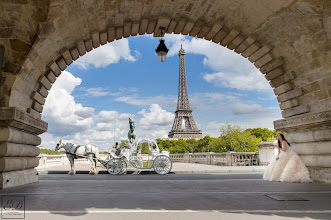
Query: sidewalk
{"points": [[178, 168]]}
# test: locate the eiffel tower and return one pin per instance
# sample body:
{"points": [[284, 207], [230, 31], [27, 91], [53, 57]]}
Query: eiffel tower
{"points": [[184, 126]]}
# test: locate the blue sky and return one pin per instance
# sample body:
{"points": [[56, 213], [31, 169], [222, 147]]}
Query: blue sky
{"points": [[91, 101]]}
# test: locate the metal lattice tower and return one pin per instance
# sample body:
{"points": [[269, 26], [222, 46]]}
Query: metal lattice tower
{"points": [[184, 126]]}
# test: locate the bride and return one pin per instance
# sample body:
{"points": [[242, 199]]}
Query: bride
{"points": [[287, 166]]}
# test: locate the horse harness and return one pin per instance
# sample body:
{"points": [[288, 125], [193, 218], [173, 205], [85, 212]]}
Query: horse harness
{"points": [[74, 152]]}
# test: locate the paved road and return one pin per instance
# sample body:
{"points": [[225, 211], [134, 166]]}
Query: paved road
{"points": [[174, 196]]}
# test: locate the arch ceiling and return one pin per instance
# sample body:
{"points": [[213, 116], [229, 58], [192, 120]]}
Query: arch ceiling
{"points": [[285, 39]]}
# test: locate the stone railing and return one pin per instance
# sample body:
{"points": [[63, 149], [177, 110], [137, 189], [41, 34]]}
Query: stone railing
{"points": [[222, 159], [61, 159]]}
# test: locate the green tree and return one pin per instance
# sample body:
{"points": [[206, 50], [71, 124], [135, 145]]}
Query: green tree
{"points": [[237, 139], [124, 143], [217, 145], [50, 152], [264, 133]]}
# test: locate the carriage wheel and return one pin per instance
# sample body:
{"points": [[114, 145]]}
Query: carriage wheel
{"points": [[124, 166], [162, 164], [114, 166]]}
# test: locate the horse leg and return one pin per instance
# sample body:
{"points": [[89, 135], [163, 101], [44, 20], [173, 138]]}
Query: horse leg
{"points": [[93, 170], [72, 165]]}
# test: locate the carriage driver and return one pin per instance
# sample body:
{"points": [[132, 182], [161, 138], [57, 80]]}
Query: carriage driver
{"points": [[118, 149]]}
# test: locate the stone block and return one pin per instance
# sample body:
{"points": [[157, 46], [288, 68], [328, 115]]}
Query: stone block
{"points": [[43, 91], [214, 30], [245, 44], [55, 68], [283, 88], [37, 97], [188, 27], [18, 150], [274, 73], [321, 94], [118, 32], [19, 137], [203, 32], [301, 109], [259, 53], [34, 113], [162, 21], [62, 64], [95, 39], [289, 95], [51, 77], [312, 87], [15, 118], [287, 77], [197, 27], [251, 49], [312, 148], [316, 160], [263, 60], [36, 106], [88, 45], [74, 53], [81, 47], [238, 40], [111, 34], [219, 36], [143, 26], [151, 26], [172, 26], [228, 38], [67, 57], [135, 29], [45, 82], [17, 163], [180, 25], [320, 174], [103, 37], [17, 178], [272, 65], [127, 29], [289, 104]]}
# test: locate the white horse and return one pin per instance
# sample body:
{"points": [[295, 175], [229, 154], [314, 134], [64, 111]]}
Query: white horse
{"points": [[74, 151]]}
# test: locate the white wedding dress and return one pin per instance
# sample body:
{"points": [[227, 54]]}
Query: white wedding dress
{"points": [[288, 168]]}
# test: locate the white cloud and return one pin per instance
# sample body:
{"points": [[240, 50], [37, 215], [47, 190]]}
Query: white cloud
{"points": [[156, 122], [61, 111], [81, 125], [251, 81], [97, 92], [165, 100], [231, 69], [243, 109], [107, 54]]}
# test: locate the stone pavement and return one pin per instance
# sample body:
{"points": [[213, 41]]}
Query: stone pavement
{"points": [[172, 196], [178, 168]]}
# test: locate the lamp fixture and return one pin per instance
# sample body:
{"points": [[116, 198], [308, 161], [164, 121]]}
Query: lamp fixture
{"points": [[162, 49]]}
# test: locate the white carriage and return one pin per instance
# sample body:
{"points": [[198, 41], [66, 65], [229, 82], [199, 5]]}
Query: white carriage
{"points": [[159, 161]]}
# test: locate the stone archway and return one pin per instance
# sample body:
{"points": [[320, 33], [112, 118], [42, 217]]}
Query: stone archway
{"points": [[287, 40]]}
